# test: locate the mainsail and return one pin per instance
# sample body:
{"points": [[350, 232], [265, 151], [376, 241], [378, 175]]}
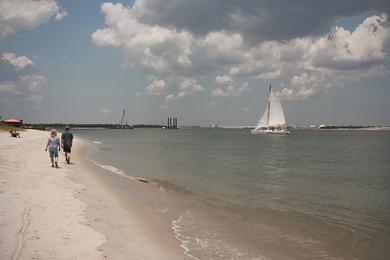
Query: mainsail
{"points": [[273, 113]]}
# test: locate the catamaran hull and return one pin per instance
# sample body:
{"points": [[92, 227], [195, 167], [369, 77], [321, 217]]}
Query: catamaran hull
{"points": [[270, 132]]}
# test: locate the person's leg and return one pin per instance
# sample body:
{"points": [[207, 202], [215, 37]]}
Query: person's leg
{"points": [[51, 158], [67, 153], [56, 160]]}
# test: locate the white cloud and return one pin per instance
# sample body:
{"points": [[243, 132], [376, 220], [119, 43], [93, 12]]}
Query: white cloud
{"points": [[159, 49], [105, 37], [182, 58], [190, 85], [217, 93], [339, 57], [19, 15], [170, 98], [61, 14], [303, 86], [36, 99], [223, 43], [34, 81], [105, 110], [8, 88], [346, 50], [225, 80], [18, 62], [24, 88], [269, 75], [231, 91], [187, 86], [156, 87]]}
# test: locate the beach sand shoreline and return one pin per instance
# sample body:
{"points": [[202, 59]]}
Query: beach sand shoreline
{"points": [[75, 212]]}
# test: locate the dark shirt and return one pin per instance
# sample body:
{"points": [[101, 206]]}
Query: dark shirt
{"points": [[67, 138]]}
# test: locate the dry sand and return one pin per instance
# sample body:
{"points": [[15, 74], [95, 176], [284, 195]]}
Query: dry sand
{"points": [[74, 212]]}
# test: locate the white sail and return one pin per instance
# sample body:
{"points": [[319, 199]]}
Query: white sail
{"points": [[263, 121], [276, 116], [273, 112]]}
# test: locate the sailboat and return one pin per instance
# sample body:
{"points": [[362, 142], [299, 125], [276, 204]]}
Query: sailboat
{"points": [[124, 126], [272, 121]]}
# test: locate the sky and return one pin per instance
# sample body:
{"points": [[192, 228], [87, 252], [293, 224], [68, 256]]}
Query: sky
{"points": [[203, 61]]}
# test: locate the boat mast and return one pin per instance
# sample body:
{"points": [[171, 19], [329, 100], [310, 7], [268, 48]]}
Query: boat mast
{"points": [[123, 116], [268, 104]]}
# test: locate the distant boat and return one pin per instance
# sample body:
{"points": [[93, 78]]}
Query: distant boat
{"points": [[272, 121], [121, 125]]}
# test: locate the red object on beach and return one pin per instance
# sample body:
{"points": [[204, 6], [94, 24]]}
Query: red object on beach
{"points": [[12, 120]]}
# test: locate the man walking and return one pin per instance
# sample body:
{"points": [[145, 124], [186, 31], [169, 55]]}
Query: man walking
{"points": [[67, 141]]}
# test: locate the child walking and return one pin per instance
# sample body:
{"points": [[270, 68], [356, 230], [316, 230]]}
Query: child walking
{"points": [[54, 146]]}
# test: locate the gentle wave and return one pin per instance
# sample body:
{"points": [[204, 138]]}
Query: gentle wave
{"points": [[190, 244], [113, 169], [184, 240], [96, 142]]}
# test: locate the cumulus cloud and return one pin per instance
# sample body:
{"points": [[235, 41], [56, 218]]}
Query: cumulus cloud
{"points": [[225, 80], [187, 87], [35, 99], [24, 84], [231, 91], [169, 98], [159, 49], [345, 50], [156, 87], [190, 85], [105, 110], [180, 57], [255, 20], [20, 15], [217, 93], [26, 87], [34, 82], [227, 87], [18, 62], [61, 14], [339, 57], [8, 88], [303, 86]]}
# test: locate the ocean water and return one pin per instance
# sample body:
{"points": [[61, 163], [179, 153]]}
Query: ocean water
{"points": [[228, 194]]}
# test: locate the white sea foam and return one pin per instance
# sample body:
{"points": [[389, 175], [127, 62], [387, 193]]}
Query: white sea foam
{"points": [[113, 169], [184, 240], [96, 142], [210, 244]]}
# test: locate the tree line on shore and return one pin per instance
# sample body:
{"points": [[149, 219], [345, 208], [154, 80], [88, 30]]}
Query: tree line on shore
{"points": [[43, 126]]}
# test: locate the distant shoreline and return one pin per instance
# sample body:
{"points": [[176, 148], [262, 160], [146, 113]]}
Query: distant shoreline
{"points": [[45, 126], [353, 128]]}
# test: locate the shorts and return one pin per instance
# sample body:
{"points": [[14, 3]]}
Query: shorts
{"points": [[67, 148], [53, 152]]}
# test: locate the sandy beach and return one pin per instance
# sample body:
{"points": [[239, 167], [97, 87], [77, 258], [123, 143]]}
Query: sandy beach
{"points": [[73, 212]]}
